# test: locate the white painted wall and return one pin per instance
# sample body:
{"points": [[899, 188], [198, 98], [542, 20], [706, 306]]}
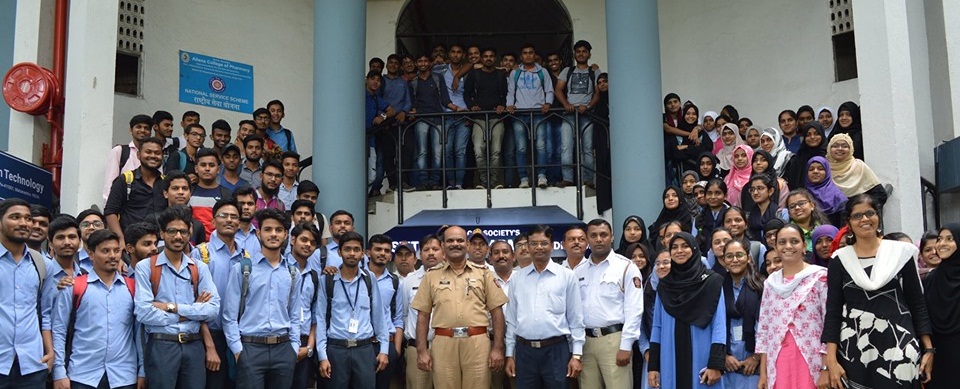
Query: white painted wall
{"points": [[33, 42], [761, 56], [275, 37]]}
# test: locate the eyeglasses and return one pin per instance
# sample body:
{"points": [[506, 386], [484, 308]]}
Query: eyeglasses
{"points": [[174, 231], [798, 204], [539, 244], [754, 189], [731, 256], [197, 135], [859, 215], [96, 224], [519, 245], [272, 175], [229, 216]]}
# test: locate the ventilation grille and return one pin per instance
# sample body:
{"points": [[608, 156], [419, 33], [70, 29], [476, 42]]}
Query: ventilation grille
{"points": [[130, 27], [841, 16]]}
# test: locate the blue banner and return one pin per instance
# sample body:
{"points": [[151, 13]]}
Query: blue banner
{"points": [[215, 82], [24, 180]]}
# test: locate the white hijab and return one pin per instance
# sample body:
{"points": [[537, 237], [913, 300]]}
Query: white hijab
{"points": [[715, 133], [779, 152], [891, 256], [784, 289], [827, 131]]}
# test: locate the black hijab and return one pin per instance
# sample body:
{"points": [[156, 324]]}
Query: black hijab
{"points": [[855, 130], [680, 214], [746, 200], [715, 173], [644, 240], [943, 291], [690, 292], [796, 172], [746, 307]]}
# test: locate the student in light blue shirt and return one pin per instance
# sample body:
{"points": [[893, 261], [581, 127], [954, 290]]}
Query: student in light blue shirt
{"points": [[261, 309], [303, 242], [23, 357], [220, 254], [172, 308], [380, 252], [95, 341], [341, 222], [354, 321], [89, 220], [64, 237]]}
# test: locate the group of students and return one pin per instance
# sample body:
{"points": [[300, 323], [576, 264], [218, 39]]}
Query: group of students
{"points": [[505, 90]]}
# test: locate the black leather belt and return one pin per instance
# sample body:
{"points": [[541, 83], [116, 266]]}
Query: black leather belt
{"points": [[179, 338], [267, 340], [541, 343], [410, 343], [350, 343], [598, 332]]}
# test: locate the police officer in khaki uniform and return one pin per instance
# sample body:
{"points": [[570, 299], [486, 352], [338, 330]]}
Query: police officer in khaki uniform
{"points": [[457, 295]]}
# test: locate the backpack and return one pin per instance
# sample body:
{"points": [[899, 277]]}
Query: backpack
{"points": [[289, 139], [183, 160], [316, 286], [79, 288], [157, 270], [205, 253], [328, 283], [246, 266], [124, 156], [393, 299], [41, 267], [436, 81]]}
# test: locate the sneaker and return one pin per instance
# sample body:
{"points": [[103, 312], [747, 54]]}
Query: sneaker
{"points": [[408, 188], [542, 182], [480, 187], [564, 184], [499, 186], [524, 183]]}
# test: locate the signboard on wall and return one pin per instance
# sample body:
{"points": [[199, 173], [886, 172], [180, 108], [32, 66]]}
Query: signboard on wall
{"points": [[24, 180], [215, 82]]}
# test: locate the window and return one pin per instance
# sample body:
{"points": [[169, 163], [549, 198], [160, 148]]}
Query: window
{"points": [[130, 27], [844, 44]]}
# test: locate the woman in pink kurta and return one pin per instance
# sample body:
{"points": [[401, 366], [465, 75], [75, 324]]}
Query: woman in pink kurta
{"points": [[791, 317]]}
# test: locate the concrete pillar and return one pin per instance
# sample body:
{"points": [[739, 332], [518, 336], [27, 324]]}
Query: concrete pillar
{"points": [[951, 24], [88, 121], [633, 41], [339, 144], [32, 42], [888, 95], [8, 24]]}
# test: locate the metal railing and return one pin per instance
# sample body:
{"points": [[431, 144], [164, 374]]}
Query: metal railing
{"points": [[531, 119]]}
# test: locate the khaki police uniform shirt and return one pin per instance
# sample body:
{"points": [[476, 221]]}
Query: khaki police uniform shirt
{"points": [[458, 300]]}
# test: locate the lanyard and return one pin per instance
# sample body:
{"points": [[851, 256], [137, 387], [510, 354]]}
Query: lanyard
{"points": [[356, 292]]}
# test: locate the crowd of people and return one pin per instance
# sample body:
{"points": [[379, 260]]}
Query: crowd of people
{"points": [[210, 267]]}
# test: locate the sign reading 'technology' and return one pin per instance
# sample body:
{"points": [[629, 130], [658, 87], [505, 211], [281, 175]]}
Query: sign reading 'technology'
{"points": [[24, 180], [215, 82]]}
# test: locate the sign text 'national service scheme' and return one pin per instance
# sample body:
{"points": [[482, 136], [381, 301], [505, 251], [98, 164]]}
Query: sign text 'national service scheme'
{"points": [[215, 82]]}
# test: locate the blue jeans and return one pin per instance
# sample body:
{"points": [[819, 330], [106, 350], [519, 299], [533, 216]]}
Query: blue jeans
{"points": [[428, 138], [375, 158], [522, 140], [568, 146], [455, 149]]}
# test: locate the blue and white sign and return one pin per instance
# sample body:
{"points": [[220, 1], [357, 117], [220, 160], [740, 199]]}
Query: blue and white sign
{"points": [[215, 82], [24, 180]]}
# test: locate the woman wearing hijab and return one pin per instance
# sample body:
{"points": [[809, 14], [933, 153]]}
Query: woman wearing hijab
{"points": [[943, 303], [673, 210], [761, 165], [729, 140], [852, 175], [742, 292], [877, 329], [772, 142], [709, 125], [689, 334], [819, 182], [827, 119], [752, 137], [708, 166], [813, 144], [634, 230], [740, 172], [791, 317], [681, 151], [822, 237], [848, 122], [764, 209], [688, 181]]}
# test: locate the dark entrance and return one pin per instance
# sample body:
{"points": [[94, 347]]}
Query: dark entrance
{"points": [[502, 24]]}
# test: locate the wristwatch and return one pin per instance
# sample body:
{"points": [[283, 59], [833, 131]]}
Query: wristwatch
{"points": [[577, 356], [171, 307], [309, 352]]}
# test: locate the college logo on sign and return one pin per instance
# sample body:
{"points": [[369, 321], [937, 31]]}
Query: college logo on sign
{"points": [[217, 84], [185, 57]]}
